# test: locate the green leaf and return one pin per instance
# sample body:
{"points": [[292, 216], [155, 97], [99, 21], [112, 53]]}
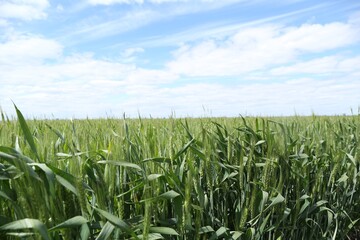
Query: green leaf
{"points": [[14, 154], [196, 207], [65, 179], [352, 224], [158, 159], [236, 235], [250, 233], [114, 220], [4, 195], [151, 236], [219, 233], [265, 196], [20, 235], [26, 131], [27, 223], [84, 232], [67, 184], [50, 176], [70, 223], [198, 152], [260, 142], [6, 156], [140, 185], [8, 172], [60, 154], [276, 200], [106, 231], [152, 177], [264, 223], [303, 207], [120, 163], [19, 161], [169, 195], [206, 229], [303, 156], [317, 205], [352, 159], [305, 196], [17, 146], [163, 230], [343, 178], [178, 154], [57, 132]]}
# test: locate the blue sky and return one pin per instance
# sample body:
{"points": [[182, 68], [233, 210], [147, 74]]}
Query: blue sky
{"points": [[99, 58]]}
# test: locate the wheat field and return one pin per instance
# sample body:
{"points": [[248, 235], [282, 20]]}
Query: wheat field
{"points": [[196, 178]]}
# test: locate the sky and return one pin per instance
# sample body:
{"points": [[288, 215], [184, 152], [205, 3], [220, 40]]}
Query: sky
{"points": [[183, 58]]}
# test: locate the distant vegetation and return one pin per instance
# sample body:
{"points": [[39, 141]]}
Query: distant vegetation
{"points": [[209, 178]]}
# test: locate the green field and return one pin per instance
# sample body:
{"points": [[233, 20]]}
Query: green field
{"points": [[209, 178]]}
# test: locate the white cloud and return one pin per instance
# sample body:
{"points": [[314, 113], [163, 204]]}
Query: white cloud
{"points": [[260, 48], [130, 54], [318, 37], [66, 85], [335, 96], [24, 9], [216, 30], [3, 23], [148, 77], [82, 85], [326, 66], [95, 98], [75, 86], [35, 73], [20, 49]]}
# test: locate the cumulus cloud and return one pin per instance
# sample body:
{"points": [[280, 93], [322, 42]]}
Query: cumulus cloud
{"points": [[19, 49], [260, 48], [42, 79], [35, 74], [23, 9], [75, 86]]}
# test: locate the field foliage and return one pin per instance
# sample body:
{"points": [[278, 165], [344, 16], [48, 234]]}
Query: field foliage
{"points": [[208, 178]]}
